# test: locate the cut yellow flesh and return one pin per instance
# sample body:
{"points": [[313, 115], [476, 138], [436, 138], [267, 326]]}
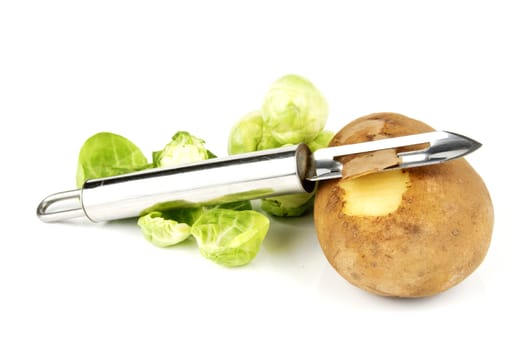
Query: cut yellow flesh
{"points": [[376, 194]]}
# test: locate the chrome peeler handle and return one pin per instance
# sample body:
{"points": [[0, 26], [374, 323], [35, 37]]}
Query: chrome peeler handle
{"points": [[69, 206], [220, 180]]}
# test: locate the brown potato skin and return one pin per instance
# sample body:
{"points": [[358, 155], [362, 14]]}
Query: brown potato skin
{"points": [[437, 237]]}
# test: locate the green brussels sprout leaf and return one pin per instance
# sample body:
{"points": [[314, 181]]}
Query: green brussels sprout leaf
{"points": [[162, 231], [107, 154], [229, 237]]}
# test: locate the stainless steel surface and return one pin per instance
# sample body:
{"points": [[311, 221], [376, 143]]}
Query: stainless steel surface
{"points": [[442, 146], [253, 175], [60, 206], [447, 147], [248, 176]]}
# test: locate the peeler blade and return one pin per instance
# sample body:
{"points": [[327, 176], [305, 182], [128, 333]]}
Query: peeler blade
{"points": [[448, 147], [442, 146]]}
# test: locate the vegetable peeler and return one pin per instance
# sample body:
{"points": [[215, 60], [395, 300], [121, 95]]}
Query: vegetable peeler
{"points": [[260, 174]]}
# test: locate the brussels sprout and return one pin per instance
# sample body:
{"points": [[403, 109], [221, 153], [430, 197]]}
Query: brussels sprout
{"points": [[162, 231], [107, 154], [294, 111], [247, 134], [250, 135], [229, 237], [321, 141], [184, 148]]}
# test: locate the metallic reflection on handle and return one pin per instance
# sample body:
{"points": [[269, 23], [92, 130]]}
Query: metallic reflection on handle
{"points": [[220, 180], [60, 206]]}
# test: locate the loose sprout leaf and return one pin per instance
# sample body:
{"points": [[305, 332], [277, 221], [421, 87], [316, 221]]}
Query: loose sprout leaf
{"points": [[162, 231], [107, 154], [229, 237], [240, 205], [184, 215]]}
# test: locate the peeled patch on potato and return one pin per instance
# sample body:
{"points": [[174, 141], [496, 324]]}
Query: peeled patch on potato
{"points": [[403, 233]]}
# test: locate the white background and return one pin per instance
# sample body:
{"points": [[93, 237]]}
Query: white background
{"points": [[145, 70]]}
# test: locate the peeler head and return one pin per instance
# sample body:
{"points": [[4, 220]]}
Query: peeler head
{"points": [[438, 147], [443, 147]]}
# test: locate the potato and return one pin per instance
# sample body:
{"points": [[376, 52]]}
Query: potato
{"points": [[403, 233]]}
